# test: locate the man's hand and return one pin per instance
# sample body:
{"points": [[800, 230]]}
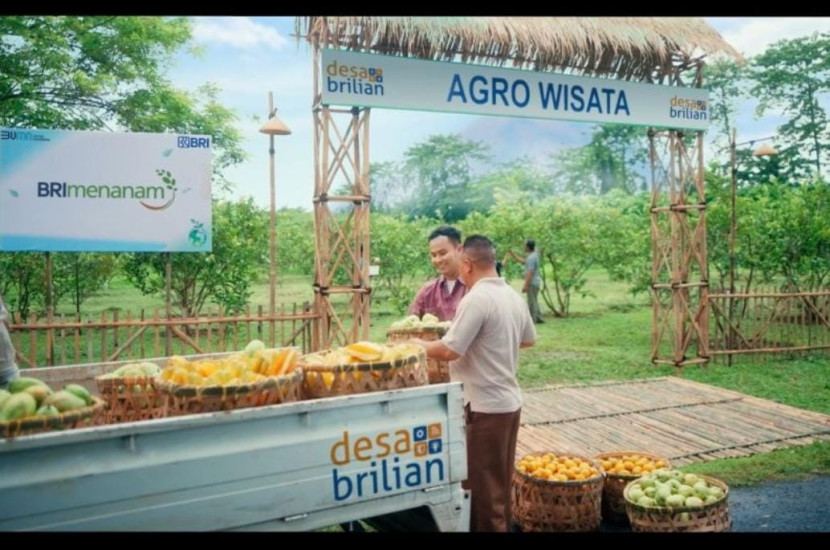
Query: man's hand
{"points": [[435, 349], [524, 290]]}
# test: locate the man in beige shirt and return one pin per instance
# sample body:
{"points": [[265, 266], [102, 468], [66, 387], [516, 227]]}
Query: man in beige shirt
{"points": [[491, 323]]}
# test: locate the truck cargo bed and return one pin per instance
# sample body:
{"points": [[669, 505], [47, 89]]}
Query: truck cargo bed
{"points": [[295, 466]]}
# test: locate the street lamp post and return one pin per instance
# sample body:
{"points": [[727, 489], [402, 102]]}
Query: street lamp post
{"points": [[273, 127], [764, 150]]}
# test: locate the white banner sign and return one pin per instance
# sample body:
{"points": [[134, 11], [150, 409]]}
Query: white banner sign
{"points": [[104, 191], [369, 80]]}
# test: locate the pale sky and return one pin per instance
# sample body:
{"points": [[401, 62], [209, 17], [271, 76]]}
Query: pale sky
{"points": [[250, 56]]}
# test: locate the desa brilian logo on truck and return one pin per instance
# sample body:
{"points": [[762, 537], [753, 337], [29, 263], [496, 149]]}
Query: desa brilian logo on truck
{"points": [[386, 462]]}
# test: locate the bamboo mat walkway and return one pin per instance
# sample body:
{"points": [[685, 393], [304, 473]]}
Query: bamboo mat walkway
{"points": [[679, 419]]}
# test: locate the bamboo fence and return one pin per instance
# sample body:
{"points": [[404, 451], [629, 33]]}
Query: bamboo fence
{"points": [[126, 334]]}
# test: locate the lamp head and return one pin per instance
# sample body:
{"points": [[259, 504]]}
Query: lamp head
{"points": [[765, 150], [274, 126]]}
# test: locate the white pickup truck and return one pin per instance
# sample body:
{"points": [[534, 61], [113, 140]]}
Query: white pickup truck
{"points": [[296, 466]]}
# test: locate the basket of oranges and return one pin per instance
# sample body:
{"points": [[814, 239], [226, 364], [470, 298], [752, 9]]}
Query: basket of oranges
{"points": [[557, 492], [621, 468]]}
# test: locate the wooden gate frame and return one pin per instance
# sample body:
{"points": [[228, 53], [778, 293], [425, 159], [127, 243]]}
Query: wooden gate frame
{"points": [[680, 274]]}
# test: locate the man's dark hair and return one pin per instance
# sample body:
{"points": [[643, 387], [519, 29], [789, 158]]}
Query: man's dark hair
{"points": [[480, 250], [448, 231], [531, 245]]}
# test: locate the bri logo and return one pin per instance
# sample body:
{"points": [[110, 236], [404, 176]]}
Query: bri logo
{"points": [[379, 460], [192, 142], [153, 197]]}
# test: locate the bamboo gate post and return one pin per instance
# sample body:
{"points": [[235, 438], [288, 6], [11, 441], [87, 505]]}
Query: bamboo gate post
{"points": [[733, 184], [340, 245], [680, 271]]}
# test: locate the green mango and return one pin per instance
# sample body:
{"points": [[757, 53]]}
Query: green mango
{"points": [[150, 369], [65, 401], [38, 392], [19, 405], [19, 384], [3, 396], [47, 410], [80, 391]]}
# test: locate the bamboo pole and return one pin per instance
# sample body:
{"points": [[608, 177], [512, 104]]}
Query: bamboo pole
{"points": [[323, 242], [156, 340], [129, 342], [185, 339], [771, 350], [104, 326], [130, 333], [50, 311], [316, 112], [163, 322], [77, 333], [703, 259], [365, 317], [115, 328], [695, 361], [259, 324], [680, 285], [248, 324], [195, 331], [679, 208], [655, 248], [63, 342], [177, 331], [236, 336], [141, 342], [220, 330], [676, 268], [89, 337], [168, 281], [770, 294], [208, 337], [272, 226]]}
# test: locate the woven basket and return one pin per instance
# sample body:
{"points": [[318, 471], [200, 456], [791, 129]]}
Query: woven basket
{"points": [[330, 381], [90, 415], [613, 501], [543, 505], [438, 371], [181, 400], [713, 517], [124, 404]]}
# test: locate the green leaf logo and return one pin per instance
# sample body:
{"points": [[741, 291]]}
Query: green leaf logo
{"points": [[167, 152], [13, 193]]}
